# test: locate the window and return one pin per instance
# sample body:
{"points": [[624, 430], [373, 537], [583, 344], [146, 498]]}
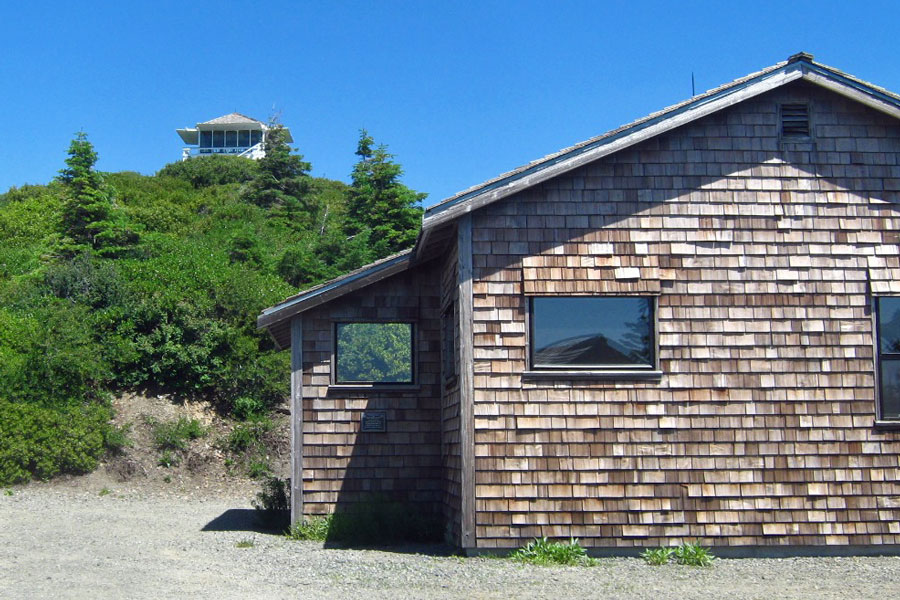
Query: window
{"points": [[230, 139], [206, 139], [372, 353], [888, 324], [244, 138], [593, 333]]}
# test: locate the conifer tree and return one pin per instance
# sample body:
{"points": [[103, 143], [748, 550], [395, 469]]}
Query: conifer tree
{"points": [[379, 203], [87, 205], [283, 181], [89, 221]]}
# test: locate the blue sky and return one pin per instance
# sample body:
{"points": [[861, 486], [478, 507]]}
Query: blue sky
{"points": [[459, 91]]}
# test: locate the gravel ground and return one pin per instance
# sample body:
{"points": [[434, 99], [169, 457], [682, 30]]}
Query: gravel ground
{"points": [[74, 543]]}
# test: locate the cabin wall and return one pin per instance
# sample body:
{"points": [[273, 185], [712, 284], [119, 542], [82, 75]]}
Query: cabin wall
{"points": [[763, 253], [450, 400], [341, 464]]}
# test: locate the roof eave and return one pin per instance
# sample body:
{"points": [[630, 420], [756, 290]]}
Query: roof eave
{"points": [[334, 289], [644, 129]]}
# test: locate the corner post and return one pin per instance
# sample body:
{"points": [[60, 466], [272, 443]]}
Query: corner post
{"points": [[296, 419], [467, 384]]}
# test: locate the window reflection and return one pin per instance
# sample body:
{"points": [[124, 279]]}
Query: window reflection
{"points": [[592, 332]]}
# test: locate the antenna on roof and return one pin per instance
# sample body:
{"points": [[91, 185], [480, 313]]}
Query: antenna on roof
{"points": [[693, 87]]}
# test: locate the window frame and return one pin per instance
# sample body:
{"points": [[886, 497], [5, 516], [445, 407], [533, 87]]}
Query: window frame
{"points": [[381, 385], [880, 357], [450, 344], [623, 372]]}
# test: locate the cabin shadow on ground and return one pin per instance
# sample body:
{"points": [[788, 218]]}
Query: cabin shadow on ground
{"points": [[242, 519]]}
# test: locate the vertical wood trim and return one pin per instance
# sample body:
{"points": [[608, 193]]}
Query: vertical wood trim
{"points": [[466, 384], [296, 419]]}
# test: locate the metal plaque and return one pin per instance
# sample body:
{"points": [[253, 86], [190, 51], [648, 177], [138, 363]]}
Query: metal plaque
{"points": [[374, 420]]}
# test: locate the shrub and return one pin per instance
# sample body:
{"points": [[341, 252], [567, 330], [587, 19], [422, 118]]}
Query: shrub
{"points": [[657, 556], [312, 529], [693, 555], [541, 551], [273, 503], [42, 442], [175, 435], [168, 459], [248, 435], [116, 438], [203, 171]]}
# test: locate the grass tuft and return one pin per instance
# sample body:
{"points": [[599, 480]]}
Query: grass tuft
{"points": [[311, 529], [693, 555], [541, 551], [247, 543]]}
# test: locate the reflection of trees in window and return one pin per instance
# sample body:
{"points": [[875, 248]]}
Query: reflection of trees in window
{"points": [[374, 353], [589, 332], [637, 341]]}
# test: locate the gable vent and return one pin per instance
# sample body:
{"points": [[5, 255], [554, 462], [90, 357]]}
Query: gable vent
{"points": [[794, 120]]}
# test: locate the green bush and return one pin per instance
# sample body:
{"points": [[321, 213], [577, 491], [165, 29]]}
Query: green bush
{"points": [[657, 556], [689, 554], [273, 503], [541, 551], [40, 442], [693, 555], [175, 435], [312, 529], [204, 171]]}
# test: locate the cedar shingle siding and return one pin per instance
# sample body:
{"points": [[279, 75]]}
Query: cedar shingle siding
{"points": [[760, 430], [763, 252]]}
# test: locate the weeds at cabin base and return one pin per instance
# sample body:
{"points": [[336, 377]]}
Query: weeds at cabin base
{"points": [[245, 544], [541, 551], [313, 529], [692, 555]]}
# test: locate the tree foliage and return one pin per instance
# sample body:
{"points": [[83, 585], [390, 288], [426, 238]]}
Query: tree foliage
{"points": [[379, 203], [87, 307], [88, 219]]}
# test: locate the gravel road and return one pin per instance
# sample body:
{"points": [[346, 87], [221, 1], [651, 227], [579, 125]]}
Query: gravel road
{"points": [[59, 543]]}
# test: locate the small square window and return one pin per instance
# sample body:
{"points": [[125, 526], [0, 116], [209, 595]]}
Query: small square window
{"points": [[593, 333], [373, 353], [888, 339]]}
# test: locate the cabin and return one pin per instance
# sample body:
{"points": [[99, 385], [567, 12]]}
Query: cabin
{"points": [[233, 134], [685, 329]]}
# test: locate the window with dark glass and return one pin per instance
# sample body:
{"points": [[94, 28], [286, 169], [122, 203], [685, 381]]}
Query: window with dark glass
{"points": [[255, 137], [206, 139], [230, 139], [218, 139], [373, 353], [610, 332], [888, 319], [244, 138]]}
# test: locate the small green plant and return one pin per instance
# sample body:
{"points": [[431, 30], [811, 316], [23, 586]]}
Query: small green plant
{"points": [[542, 551], [175, 435], [8, 492], [258, 468], [247, 435], [313, 529], [693, 555], [167, 479], [116, 438], [168, 459], [247, 543], [273, 503], [104, 492], [657, 556]]}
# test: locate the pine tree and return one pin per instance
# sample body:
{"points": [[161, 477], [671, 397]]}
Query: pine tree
{"points": [[379, 203], [283, 181], [89, 221], [87, 204]]}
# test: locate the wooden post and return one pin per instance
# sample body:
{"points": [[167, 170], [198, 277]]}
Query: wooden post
{"points": [[466, 384], [296, 419]]}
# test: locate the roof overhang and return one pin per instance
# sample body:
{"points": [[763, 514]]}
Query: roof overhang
{"points": [[799, 67], [189, 136], [321, 294]]}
